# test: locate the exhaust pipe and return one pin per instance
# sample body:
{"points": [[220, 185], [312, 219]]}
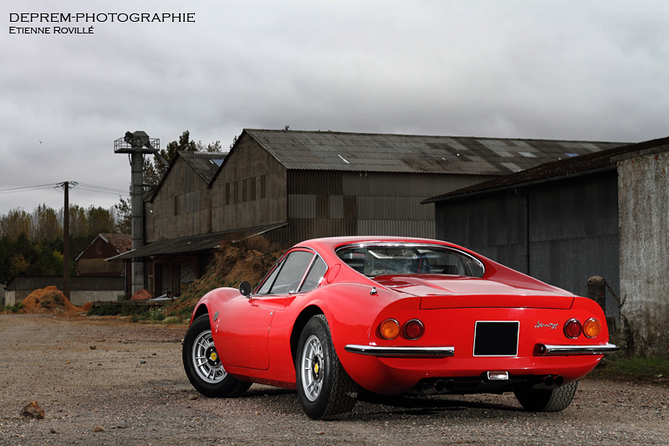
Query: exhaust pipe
{"points": [[438, 386], [549, 382], [433, 388]]}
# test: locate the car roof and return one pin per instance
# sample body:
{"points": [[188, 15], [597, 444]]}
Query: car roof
{"points": [[332, 243]]}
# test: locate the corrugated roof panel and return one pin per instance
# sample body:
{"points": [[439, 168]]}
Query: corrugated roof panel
{"points": [[304, 150], [206, 164]]}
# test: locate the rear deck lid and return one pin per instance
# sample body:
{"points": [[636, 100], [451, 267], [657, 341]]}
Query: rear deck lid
{"points": [[440, 292]]}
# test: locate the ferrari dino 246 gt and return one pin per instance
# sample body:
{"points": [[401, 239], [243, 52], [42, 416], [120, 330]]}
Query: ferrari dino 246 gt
{"points": [[394, 315]]}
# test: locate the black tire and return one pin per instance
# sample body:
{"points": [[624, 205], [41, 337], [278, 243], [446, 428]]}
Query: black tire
{"points": [[323, 386], [203, 365], [550, 400]]}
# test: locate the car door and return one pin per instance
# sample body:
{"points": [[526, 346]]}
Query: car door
{"points": [[244, 324]]}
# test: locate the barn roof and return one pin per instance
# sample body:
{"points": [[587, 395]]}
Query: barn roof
{"points": [[373, 152], [120, 242], [559, 169], [192, 244], [206, 164]]}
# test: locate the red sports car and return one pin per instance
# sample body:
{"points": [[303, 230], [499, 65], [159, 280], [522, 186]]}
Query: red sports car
{"points": [[394, 315]]}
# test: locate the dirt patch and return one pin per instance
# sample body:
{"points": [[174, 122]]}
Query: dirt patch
{"points": [[141, 295], [103, 381], [49, 300]]}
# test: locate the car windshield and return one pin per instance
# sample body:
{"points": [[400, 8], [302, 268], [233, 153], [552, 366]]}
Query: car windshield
{"points": [[378, 260]]}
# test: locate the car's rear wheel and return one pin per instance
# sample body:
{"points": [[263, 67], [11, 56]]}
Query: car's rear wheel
{"points": [[203, 365], [547, 400], [323, 386]]}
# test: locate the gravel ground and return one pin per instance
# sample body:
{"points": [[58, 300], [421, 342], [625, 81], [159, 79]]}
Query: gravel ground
{"points": [[108, 382]]}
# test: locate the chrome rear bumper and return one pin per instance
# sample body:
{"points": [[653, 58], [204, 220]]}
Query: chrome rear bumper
{"points": [[564, 350], [401, 352]]}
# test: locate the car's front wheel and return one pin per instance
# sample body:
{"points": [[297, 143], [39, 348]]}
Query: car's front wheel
{"points": [[203, 365], [323, 386], [547, 400]]}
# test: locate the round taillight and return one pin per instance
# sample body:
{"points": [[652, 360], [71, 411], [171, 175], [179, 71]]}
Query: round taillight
{"points": [[573, 329], [413, 329], [389, 329], [592, 328]]}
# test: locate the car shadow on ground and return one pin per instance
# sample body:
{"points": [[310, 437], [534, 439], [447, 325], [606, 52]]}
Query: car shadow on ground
{"points": [[371, 405], [421, 405]]}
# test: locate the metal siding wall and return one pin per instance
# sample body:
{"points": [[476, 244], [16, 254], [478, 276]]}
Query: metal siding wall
{"points": [[181, 207], [573, 235], [493, 226], [336, 206], [301, 206], [245, 198], [389, 204], [389, 208], [407, 228]]}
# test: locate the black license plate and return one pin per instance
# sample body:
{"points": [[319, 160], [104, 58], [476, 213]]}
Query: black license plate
{"points": [[496, 338]]}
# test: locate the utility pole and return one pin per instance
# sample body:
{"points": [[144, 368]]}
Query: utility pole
{"points": [[66, 240], [66, 185]]}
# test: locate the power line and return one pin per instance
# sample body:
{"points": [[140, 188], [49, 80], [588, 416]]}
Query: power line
{"points": [[82, 186], [102, 189], [27, 188]]}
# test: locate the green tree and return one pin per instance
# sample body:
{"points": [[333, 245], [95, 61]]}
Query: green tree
{"points": [[18, 265], [100, 221], [78, 221], [154, 169], [123, 216], [45, 224], [16, 222]]}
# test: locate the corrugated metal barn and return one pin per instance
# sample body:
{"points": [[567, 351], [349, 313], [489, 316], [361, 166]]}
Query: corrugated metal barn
{"points": [[557, 222], [332, 183], [295, 185], [181, 205]]}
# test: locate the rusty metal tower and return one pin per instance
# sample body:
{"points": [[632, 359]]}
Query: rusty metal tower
{"points": [[137, 145]]}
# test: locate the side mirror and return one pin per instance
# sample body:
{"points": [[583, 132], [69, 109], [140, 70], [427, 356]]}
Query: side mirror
{"points": [[245, 288]]}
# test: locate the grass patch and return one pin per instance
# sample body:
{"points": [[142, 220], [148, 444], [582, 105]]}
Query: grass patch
{"points": [[633, 367], [105, 310], [14, 308]]}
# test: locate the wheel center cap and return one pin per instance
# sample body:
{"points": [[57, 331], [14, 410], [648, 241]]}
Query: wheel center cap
{"points": [[316, 369], [212, 357]]}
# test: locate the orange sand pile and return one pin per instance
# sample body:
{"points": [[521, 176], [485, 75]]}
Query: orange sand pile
{"points": [[141, 295], [49, 300]]}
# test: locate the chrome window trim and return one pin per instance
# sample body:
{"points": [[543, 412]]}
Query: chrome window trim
{"points": [[280, 264], [410, 245], [306, 273]]}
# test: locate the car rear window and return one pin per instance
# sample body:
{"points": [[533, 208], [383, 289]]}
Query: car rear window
{"points": [[378, 260]]}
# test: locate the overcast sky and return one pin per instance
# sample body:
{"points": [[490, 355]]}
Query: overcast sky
{"points": [[578, 70]]}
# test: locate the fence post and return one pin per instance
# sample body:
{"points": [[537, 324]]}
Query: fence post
{"points": [[596, 288]]}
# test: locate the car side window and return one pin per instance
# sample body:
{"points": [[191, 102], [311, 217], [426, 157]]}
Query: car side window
{"points": [[267, 285], [287, 277], [315, 275]]}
